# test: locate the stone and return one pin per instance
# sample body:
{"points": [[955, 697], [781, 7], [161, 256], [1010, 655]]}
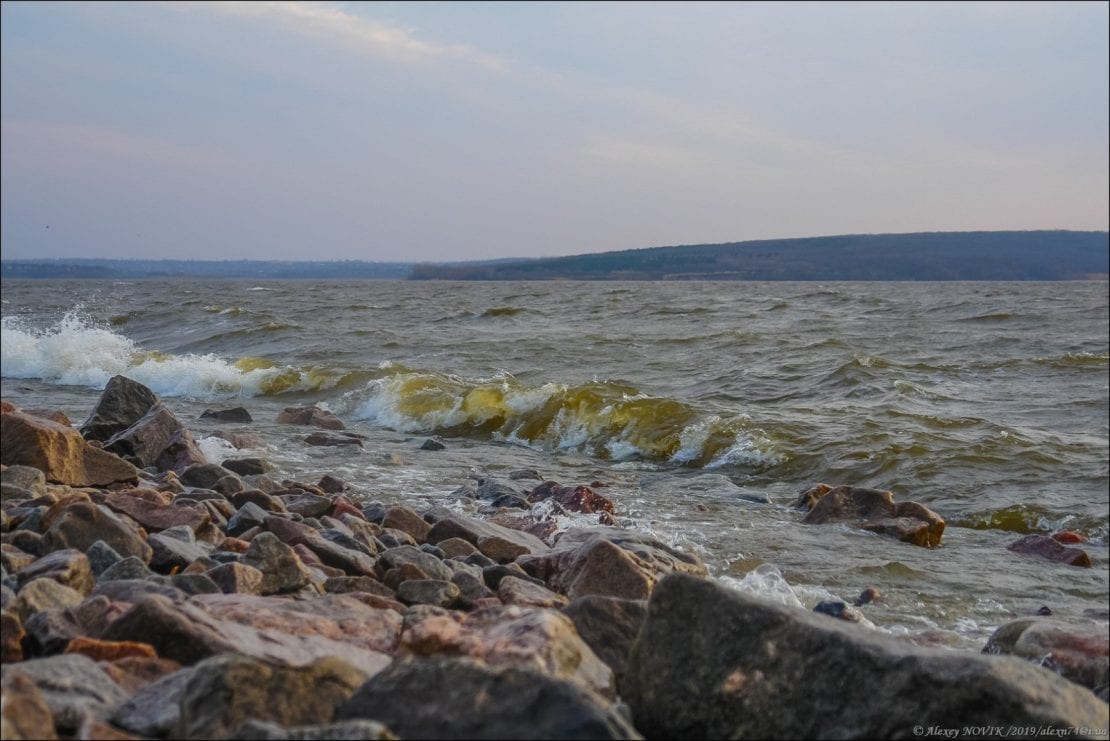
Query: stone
{"points": [[431, 444], [67, 566], [346, 584], [238, 440], [131, 567], [136, 590], [307, 505], [457, 548], [874, 510], [235, 414], [492, 575], [15, 559], [154, 711], [148, 437], [515, 591], [248, 516], [310, 415], [282, 569], [237, 578], [247, 466], [195, 584], [226, 691], [99, 650], [425, 563], [81, 524], [1049, 548], [135, 673], [525, 473], [404, 519], [458, 698], [11, 637], [333, 439], [487, 537], [24, 713], [204, 475], [152, 515], [25, 478], [574, 498], [711, 662], [1080, 654], [609, 626], [867, 596], [180, 453], [122, 403], [428, 592], [259, 498], [45, 594], [50, 631], [347, 730], [839, 610], [228, 485], [610, 562], [350, 560], [73, 686], [171, 553], [59, 452]]}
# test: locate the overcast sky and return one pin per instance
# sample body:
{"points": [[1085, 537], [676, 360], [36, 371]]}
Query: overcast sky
{"points": [[424, 131]]}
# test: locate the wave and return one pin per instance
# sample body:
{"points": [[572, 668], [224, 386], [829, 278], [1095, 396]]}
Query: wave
{"points": [[498, 311]]}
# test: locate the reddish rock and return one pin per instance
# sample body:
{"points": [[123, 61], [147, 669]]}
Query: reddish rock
{"points": [[1046, 547], [152, 515], [59, 452], [148, 437], [310, 415], [874, 510], [180, 453], [1078, 653], [331, 485], [575, 498], [6, 407], [99, 650], [239, 441], [344, 506], [235, 545], [404, 519], [122, 403], [495, 541], [1068, 537]]}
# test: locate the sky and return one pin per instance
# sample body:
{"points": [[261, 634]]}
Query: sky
{"points": [[458, 131]]}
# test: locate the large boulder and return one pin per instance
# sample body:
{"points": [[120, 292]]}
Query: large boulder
{"points": [[714, 663], [609, 626], [122, 403], [150, 435], [310, 415], [610, 562], [59, 452], [1044, 546], [873, 510], [1078, 653], [458, 698]]}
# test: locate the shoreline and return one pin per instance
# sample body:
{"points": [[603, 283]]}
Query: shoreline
{"points": [[190, 599]]}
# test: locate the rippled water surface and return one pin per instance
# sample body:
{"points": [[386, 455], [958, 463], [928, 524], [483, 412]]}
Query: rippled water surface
{"points": [[985, 401]]}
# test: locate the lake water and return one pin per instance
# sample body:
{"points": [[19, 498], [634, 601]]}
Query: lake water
{"points": [[987, 402]]}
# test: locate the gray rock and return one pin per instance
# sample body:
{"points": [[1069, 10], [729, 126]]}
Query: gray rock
{"points": [[236, 578], [45, 594], [282, 569], [249, 515], [81, 524], [131, 567], [122, 403], [204, 475], [307, 505], [714, 663], [428, 592], [226, 691], [195, 584], [427, 564], [456, 698], [24, 478], [348, 730], [492, 575], [154, 710], [67, 566], [135, 590], [101, 556], [609, 626], [351, 560], [170, 552], [431, 444], [839, 610], [235, 414], [496, 541], [73, 686], [50, 631]]}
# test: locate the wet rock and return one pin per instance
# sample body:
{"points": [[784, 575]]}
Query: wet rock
{"points": [[229, 485], [235, 414], [702, 489], [236, 578], [1068, 537], [1049, 548], [282, 570], [226, 691], [609, 626], [496, 541], [148, 438], [874, 510], [247, 466], [59, 452], [348, 730], [607, 561], [74, 688], [462, 698], [404, 519], [81, 524], [67, 566], [310, 415], [1077, 653], [349, 560], [333, 439], [525, 473], [740, 661], [573, 498], [180, 453], [154, 711], [868, 596], [122, 403], [515, 591], [238, 440], [431, 444], [131, 567], [839, 610], [24, 713], [374, 512]]}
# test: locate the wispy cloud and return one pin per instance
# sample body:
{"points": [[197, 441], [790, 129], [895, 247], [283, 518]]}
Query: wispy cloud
{"points": [[333, 25]]}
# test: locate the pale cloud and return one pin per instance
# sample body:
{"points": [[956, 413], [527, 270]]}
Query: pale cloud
{"points": [[334, 26]]}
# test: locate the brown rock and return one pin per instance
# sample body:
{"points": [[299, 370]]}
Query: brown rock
{"points": [[874, 510], [180, 453], [609, 626], [1051, 549], [122, 403], [575, 498], [92, 729], [148, 437], [514, 591], [133, 673], [83, 523], [99, 650], [310, 415], [404, 519], [487, 536], [236, 578], [333, 439], [11, 637], [1078, 653], [331, 485], [68, 566], [457, 548], [59, 452], [153, 515], [24, 714]]}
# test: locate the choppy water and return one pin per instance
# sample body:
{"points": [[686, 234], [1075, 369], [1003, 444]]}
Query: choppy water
{"points": [[987, 402]]}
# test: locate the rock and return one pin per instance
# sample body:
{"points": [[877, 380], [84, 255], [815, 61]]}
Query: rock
{"points": [[348, 730], [45, 594], [1079, 654], [204, 475], [310, 415], [152, 515], [515, 591], [24, 714], [282, 570], [237, 578], [455, 698], [425, 564], [74, 687], [404, 519], [573, 498], [226, 691], [180, 453], [99, 650], [249, 515], [170, 554], [714, 663], [247, 466], [81, 524], [874, 510], [263, 500], [134, 673], [148, 438], [131, 567], [59, 452], [487, 537], [428, 592], [839, 610], [525, 473], [349, 560], [239, 441], [333, 439], [868, 596], [154, 711], [523, 637], [236, 414], [610, 562], [1051, 549], [431, 444], [67, 566], [11, 637], [307, 505], [136, 590], [25, 478], [122, 403], [293, 633], [609, 626]]}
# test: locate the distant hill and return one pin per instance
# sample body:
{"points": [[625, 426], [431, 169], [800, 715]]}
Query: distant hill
{"points": [[93, 268], [925, 256]]}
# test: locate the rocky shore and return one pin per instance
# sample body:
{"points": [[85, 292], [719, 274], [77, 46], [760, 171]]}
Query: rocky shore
{"points": [[150, 593]]}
